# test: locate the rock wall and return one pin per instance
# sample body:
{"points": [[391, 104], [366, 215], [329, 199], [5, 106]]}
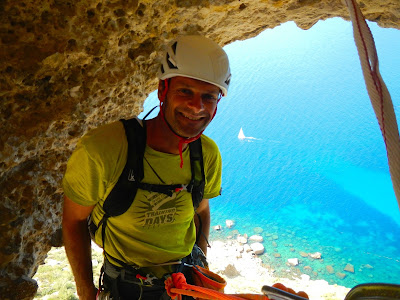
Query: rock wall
{"points": [[69, 65]]}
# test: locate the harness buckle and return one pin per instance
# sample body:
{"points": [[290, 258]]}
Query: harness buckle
{"points": [[188, 187], [131, 175], [179, 189], [138, 276]]}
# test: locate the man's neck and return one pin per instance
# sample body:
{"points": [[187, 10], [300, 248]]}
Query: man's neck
{"points": [[161, 138]]}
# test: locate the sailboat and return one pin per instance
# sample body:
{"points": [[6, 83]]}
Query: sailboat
{"points": [[241, 135]]}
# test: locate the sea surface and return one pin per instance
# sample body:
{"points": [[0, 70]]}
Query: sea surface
{"points": [[312, 173]]}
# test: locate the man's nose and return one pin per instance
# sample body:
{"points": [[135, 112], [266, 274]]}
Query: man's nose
{"points": [[196, 103]]}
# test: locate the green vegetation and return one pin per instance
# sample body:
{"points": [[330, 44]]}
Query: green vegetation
{"points": [[55, 278]]}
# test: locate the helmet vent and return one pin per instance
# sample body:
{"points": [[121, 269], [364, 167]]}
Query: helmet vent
{"points": [[162, 69], [228, 80], [171, 62], [174, 47]]}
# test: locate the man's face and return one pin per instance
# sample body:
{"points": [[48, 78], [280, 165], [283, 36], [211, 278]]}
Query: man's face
{"points": [[189, 105]]}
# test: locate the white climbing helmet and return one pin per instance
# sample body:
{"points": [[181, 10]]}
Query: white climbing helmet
{"points": [[196, 57]]}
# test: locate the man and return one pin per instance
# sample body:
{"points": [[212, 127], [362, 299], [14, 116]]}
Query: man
{"points": [[148, 241]]}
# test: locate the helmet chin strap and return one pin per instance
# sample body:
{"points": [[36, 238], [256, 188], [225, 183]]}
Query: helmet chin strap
{"points": [[182, 140]]}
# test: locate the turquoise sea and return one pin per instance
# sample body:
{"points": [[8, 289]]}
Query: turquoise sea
{"points": [[313, 171]]}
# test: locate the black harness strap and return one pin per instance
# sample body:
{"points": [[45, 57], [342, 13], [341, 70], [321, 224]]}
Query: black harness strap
{"points": [[163, 189], [124, 192], [198, 181]]}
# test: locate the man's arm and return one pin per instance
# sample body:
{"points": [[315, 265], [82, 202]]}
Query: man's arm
{"points": [[204, 213], [77, 246]]}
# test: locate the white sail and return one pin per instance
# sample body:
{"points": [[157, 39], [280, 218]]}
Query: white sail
{"points": [[241, 135]]}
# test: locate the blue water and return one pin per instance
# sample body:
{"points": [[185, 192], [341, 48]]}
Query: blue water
{"points": [[315, 177]]}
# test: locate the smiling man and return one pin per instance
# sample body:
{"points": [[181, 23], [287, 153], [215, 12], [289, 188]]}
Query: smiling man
{"points": [[143, 185], [191, 107]]}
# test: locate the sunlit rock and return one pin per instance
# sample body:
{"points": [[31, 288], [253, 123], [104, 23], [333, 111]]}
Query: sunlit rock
{"points": [[368, 266], [231, 271], [242, 239], [256, 238], [303, 254], [330, 269], [258, 248], [315, 255], [217, 227], [229, 223], [307, 268], [293, 261], [340, 275], [349, 268]]}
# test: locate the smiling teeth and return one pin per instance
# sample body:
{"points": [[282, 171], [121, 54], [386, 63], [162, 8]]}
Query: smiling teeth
{"points": [[192, 118]]}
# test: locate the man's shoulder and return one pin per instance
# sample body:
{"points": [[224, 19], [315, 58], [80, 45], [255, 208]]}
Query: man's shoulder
{"points": [[105, 138], [105, 130], [208, 143]]}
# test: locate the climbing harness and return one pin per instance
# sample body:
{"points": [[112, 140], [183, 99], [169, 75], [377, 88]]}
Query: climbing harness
{"points": [[377, 91], [111, 276]]}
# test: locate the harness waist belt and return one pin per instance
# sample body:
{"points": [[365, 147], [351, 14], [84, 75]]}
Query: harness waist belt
{"points": [[130, 276], [111, 270]]}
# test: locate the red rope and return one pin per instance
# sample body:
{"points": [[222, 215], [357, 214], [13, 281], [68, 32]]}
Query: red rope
{"points": [[176, 286], [372, 70]]}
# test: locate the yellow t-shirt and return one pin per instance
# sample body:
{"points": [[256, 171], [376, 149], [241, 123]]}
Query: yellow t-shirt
{"points": [[156, 228]]}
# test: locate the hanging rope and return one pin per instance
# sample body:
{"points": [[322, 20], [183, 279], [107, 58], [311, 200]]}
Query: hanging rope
{"points": [[377, 91]]}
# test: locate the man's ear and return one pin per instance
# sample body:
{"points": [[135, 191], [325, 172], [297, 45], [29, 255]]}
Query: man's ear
{"points": [[161, 87]]}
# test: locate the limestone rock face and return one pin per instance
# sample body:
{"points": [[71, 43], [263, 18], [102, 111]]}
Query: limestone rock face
{"points": [[67, 66]]}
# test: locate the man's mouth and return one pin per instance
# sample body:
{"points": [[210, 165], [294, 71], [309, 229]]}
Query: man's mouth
{"points": [[191, 117]]}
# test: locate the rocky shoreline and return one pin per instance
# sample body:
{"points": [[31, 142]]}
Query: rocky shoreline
{"points": [[245, 273], [237, 259]]}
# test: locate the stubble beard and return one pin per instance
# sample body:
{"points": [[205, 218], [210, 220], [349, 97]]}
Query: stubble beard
{"points": [[185, 131], [188, 131]]}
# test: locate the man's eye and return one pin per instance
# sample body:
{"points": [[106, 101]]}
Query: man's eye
{"points": [[210, 97], [184, 91]]}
